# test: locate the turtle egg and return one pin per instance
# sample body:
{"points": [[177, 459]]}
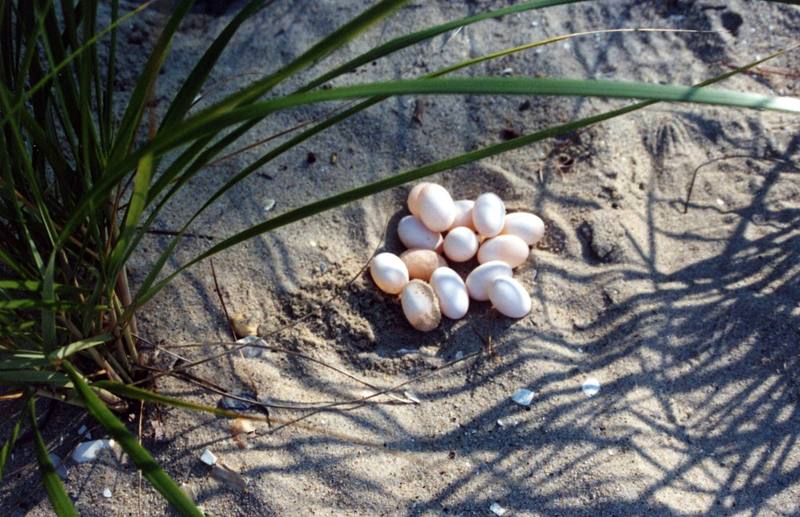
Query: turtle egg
{"points": [[420, 306], [414, 234], [460, 244], [480, 279], [413, 197], [509, 248], [388, 272], [488, 214], [451, 292], [526, 226], [509, 297], [436, 208], [422, 263], [463, 213]]}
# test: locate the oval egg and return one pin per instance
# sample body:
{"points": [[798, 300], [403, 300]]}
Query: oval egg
{"points": [[463, 213], [460, 244], [414, 234], [489, 214], [420, 306], [389, 272], [509, 297], [479, 280], [451, 292], [422, 263], [413, 197], [436, 208], [509, 248], [526, 226]]}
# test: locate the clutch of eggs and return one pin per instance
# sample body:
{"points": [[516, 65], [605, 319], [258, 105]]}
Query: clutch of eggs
{"points": [[441, 229]]}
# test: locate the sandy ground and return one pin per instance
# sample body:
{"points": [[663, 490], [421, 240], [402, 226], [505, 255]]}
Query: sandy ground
{"points": [[687, 314]]}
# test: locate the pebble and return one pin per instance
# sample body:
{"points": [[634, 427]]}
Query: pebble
{"points": [[107, 493], [523, 397], [269, 204], [231, 403], [497, 509], [252, 351], [244, 325], [410, 395]]}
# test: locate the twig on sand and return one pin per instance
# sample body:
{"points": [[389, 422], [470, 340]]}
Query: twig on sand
{"points": [[728, 157]]}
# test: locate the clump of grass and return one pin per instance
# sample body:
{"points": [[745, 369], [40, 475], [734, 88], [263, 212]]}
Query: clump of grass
{"points": [[78, 193]]}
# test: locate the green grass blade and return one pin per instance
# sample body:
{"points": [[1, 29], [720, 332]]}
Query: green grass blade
{"points": [[62, 504], [49, 300], [22, 360], [205, 123], [413, 38], [141, 458], [132, 392], [141, 185], [8, 446], [138, 100], [76, 346], [26, 377], [199, 74]]}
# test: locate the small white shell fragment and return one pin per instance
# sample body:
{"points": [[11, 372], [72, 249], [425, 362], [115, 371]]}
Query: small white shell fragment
{"points": [[523, 397], [256, 347], [509, 248], [461, 244], [436, 208], [422, 263], [208, 457], [410, 395], [463, 213], [526, 226], [497, 509], [107, 493], [480, 279], [420, 306], [591, 387], [88, 451], [509, 297], [451, 292], [413, 197], [489, 214], [414, 234], [389, 272]]}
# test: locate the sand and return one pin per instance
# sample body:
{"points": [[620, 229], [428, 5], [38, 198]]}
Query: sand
{"points": [[686, 313]]}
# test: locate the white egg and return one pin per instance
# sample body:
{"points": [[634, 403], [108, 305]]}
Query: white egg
{"points": [[463, 213], [461, 244], [422, 263], [526, 226], [388, 272], [451, 292], [480, 279], [509, 248], [489, 214], [436, 208], [413, 197], [420, 306], [509, 297], [414, 234]]}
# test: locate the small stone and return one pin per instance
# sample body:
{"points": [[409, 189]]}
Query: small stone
{"points": [[88, 451], [242, 426], [107, 493], [244, 325], [235, 403], [459, 355], [269, 204], [257, 349], [208, 457], [523, 397], [591, 386], [497, 509], [232, 479]]}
